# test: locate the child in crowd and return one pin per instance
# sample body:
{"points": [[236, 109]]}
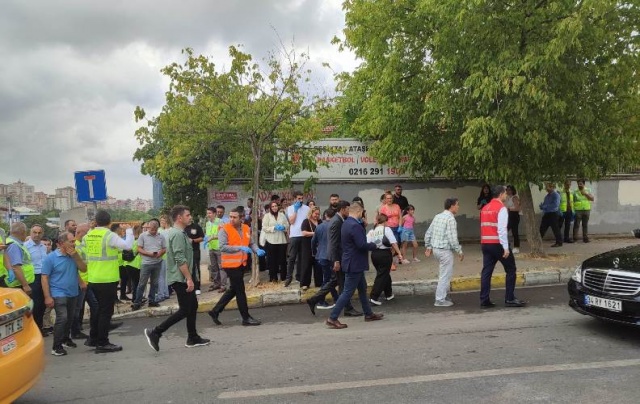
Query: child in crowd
{"points": [[408, 235]]}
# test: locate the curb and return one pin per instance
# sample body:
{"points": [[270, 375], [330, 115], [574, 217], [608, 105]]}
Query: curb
{"points": [[401, 288]]}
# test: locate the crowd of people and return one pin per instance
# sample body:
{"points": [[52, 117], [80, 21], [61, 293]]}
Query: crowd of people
{"points": [[101, 263]]}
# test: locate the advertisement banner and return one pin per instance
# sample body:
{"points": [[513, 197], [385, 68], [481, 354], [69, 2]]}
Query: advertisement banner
{"points": [[347, 160]]}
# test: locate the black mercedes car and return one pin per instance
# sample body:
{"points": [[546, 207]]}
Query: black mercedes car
{"points": [[607, 286]]}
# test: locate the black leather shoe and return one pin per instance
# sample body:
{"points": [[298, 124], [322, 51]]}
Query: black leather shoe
{"points": [[556, 245], [353, 313], [154, 304], [586, 240], [312, 306], [90, 343], [79, 335], [114, 325], [287, 283], [214, 316], [569, 241], [487, 305], [108, 348], [135, 307], [251, 321], [515, 303]]}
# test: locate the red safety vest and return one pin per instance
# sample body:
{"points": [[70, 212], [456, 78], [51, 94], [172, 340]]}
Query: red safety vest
{"points": [[239, 259], [489, 222]]}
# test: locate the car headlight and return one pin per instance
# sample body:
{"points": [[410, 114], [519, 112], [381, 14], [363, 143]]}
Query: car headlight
{"points": [[577, 274]]}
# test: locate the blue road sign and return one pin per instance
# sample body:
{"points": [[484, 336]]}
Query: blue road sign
{"points": [[91, 186]]}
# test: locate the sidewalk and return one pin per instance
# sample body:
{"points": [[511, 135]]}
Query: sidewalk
{"points": [[417, 278]]}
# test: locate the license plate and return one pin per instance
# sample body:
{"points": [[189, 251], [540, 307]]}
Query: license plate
{"points": [[8, 345], [608, 304], [11, 328]]}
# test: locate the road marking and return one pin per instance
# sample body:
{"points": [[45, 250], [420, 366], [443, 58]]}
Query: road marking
{"points": [[427, 378]]}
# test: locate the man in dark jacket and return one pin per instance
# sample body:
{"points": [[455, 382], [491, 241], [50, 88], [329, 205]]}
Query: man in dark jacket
{"points": [[334, 255], [355, 261]]}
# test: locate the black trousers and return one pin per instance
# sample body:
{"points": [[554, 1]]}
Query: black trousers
{"points": [[276, 261], [124, 280], [236, 289], [514, 223], [337, 279], [134, 277], [295, 247], [565, 219], [195, 269], [491, 254], [187, 308], [550, 220], [38, 300], [306, 262], [106, 295], [382, 260]]}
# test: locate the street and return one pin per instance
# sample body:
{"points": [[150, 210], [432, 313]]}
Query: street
{"points": [[543, 353]]}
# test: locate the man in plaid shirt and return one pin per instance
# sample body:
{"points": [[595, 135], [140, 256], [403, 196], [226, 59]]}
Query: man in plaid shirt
{"points": [[442, 239]]}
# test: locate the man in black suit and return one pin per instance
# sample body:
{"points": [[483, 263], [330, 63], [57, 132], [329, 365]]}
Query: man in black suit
{"points": [[334, 254], [355, 261]]}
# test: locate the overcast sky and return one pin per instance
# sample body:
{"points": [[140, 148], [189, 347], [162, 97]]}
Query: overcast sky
{"points": [[73, 71]]}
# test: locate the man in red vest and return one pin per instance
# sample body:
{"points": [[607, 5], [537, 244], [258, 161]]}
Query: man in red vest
{"points": [[235, 247], [495, 247]]}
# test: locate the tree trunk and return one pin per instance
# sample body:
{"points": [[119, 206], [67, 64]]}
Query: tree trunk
{"points": [[530, 223], [255, 269]]}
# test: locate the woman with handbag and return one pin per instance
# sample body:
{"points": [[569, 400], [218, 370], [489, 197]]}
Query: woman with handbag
{"points": [[274, 238], [386, 242]]}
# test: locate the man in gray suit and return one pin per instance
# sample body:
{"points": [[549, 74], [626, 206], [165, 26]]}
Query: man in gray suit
{"points": [[334, 254]]}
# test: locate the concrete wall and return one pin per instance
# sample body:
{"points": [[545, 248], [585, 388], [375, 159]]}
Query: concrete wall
{"points": [[616, 209]]}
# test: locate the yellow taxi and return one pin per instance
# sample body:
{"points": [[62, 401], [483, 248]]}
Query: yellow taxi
{"points": [[21, 345]]}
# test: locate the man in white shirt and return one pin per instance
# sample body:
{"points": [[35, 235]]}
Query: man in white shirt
{"points": [[296, 213]]}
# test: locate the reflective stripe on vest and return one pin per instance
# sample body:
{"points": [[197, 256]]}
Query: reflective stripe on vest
{"points": [[581, 201], [27, 266], [102, 259], [239, 259], [489, 222]]}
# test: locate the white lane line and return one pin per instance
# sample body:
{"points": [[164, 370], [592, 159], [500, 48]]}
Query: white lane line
{"points": [[427, 378]]}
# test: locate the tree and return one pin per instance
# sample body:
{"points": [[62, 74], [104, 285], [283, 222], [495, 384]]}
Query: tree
{"points": [[521, 92], [219, 126]]}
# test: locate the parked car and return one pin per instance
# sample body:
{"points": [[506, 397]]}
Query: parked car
{"points": [[607, 286], [21, 345]]}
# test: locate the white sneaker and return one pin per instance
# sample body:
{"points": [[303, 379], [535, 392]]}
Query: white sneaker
{"points": [[391, 297], [406, 261], [198, 292], [443, 303], [416, 260], [376, 302], [516, 251]]}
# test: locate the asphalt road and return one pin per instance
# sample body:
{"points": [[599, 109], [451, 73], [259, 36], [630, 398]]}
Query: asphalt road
{"points": [[544, 353]]}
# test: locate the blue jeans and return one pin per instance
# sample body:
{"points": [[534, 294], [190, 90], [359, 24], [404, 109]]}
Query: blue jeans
{"points": [[352, 281], [147, 271], [327, 272]]}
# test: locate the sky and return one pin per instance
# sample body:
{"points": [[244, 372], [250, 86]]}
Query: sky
{"points": [[73, 71]]}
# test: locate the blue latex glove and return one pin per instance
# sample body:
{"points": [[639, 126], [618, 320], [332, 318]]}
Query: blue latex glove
{"points": [[400, 230], [297, 206], [261, 252], [11, 276], [245, 250], [279, 227], [205, 240]]}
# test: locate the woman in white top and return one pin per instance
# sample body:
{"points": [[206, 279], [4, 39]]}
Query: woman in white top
{"points": [[382, 259], [274, 238], [512, 203]]}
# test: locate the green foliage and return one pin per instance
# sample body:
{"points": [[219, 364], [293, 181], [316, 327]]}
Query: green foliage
{"points": [[219, 126], [503, 91], [51, 213]]}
